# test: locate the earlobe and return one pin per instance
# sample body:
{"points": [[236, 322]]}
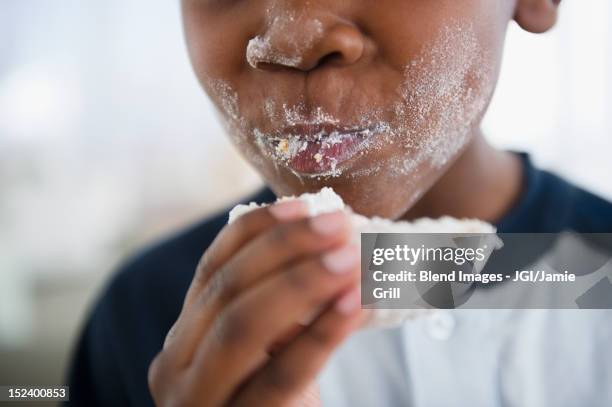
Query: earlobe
{"points": [[536, 16]]}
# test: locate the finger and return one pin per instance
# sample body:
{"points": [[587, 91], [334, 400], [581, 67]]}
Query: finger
{"points": [[239, 341], [286, 338], [288, 375], [275, 249], [268, 253], [233, 236], [229, 241]]}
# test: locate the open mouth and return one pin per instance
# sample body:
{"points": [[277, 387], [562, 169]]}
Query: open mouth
{"points": [[319, 149]]}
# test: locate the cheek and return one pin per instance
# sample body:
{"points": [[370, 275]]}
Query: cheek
{"points": [[216, 40], [449, 53], [446, 88], [216, 43]]}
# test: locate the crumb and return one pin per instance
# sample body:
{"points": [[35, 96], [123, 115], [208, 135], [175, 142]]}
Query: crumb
{"points": [[318, 157], [283, 146]]}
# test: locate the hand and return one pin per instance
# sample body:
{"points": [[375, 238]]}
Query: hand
{"points": [[240, 337]]}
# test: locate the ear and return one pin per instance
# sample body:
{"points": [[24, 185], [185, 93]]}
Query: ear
{"points": [[536, 16]]}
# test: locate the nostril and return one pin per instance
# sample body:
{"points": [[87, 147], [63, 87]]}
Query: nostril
{"points": [[330, 58], [277, 67], [269, 66]]}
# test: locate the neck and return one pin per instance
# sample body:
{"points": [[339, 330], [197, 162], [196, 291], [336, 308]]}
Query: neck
{"points": [[482, 183]]}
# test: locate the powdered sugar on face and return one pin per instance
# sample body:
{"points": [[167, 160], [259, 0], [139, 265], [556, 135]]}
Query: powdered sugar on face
{"points": [[445, 90], [282, 45]]}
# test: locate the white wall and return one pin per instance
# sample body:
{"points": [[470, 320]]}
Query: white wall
{"points": [[554, 98]]}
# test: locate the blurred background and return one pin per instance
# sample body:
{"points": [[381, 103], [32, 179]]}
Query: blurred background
{"points": [[107, 143]]}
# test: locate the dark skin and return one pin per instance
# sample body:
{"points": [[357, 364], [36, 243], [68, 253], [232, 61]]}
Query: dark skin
{"points": [[240, 338]]}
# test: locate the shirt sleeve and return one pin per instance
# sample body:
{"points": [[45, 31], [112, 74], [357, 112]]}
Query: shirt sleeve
{"points": [[94, 377]]}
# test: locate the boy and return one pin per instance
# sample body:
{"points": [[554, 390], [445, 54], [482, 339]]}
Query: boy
{"points": [[381, 101]]}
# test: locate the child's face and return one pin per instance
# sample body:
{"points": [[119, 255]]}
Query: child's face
{"points": [[374, 98]]}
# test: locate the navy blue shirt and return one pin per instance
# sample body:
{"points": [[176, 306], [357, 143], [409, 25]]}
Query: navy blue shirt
{"points": [[128, 325]]}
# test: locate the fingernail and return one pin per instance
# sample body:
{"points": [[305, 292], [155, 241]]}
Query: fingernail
{"points": [[288, 210], [349, 302], [329, 223], [341, 260]]}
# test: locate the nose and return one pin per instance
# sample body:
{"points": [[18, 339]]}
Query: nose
{"points": [[305, 43]]}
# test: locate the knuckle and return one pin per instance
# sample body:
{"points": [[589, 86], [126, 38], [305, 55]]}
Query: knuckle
{"points": [[308, 279], [232, 327], [154, 374], [222, 285], [292, 236], [303, 277], [203, 269], [281, 234], [167, 389], [321, 337], [279, 378], [297, 280]]}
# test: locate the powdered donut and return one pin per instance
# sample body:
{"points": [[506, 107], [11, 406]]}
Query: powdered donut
{"points": [[326, 200]]}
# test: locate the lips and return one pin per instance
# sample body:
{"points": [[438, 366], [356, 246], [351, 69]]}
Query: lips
{"points": [[319, 149]]}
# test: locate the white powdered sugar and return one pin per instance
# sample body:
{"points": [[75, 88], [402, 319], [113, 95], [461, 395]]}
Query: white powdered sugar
{"points": [[445, 90], [446, 87], [281, 44], [326, 200]]}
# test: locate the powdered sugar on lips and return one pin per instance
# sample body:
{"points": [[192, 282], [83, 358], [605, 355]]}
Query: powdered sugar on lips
{"points": [[319, 153], [445, 88]]}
